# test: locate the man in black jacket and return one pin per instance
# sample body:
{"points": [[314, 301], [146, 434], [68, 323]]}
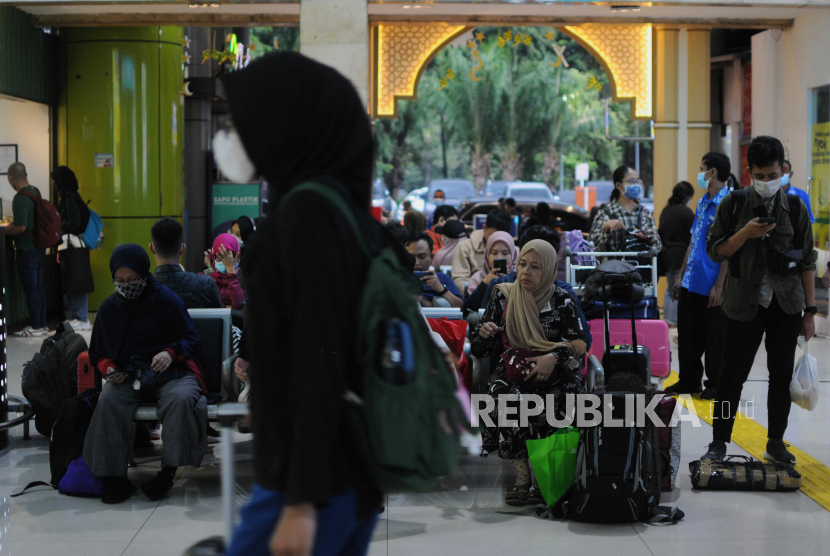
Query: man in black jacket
{"points": [[196, 290]]}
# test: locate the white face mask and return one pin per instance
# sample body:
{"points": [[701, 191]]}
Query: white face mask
{"points": [[767, 189]]}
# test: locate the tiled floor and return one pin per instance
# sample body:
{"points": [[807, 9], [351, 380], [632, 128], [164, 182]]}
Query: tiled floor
{"points": [[466, 515]]}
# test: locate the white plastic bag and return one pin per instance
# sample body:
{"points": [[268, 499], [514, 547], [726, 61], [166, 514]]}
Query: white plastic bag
{"points": [[804, 390]]}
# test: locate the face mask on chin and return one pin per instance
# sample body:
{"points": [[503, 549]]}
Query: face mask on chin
{"points": [[766, 189]]}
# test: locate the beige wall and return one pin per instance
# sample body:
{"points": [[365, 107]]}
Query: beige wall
{"points": [[25, 124], [336, 33]]}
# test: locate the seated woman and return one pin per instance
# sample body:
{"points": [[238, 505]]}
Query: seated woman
{"points": [[224, 260], [531, 314], [499, 246], [145, 344]]}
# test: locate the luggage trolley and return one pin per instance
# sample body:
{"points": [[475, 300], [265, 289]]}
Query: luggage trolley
{"points": [[578, 274]]}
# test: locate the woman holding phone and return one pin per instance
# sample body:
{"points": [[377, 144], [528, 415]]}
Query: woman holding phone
{"points": [[534, 322], [500, 258]]}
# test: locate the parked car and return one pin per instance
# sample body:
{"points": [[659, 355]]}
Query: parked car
{"points": [[497, 188], [567, 217], [456, 192], [529, 190], [382, 198]]}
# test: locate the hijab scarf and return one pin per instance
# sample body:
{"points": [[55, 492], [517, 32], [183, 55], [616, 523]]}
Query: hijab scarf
{"points": [[523, 328], [65, 180], [495, 238], [300, 121], [444, 255], [133, 257], [229, 241]]}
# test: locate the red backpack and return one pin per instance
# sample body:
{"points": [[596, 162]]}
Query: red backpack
{"points": [[47, 232]]}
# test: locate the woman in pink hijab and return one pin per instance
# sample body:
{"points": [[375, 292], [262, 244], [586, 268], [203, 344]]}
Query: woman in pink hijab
{"points": [[453, 233], [500, 245], [224, 259]]}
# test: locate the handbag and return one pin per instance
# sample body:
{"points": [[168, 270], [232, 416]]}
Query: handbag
{"points": [[76, 271], [744, 473], [554, 462], [516, 364]]}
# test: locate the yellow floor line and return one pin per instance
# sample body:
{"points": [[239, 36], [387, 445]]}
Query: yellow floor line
{"points": [[752, 437]]}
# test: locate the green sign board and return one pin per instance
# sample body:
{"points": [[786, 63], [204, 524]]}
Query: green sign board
{"points": [[229, 201]]}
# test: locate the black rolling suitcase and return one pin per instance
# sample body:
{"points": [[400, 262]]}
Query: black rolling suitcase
{"points": [[630, 358]]}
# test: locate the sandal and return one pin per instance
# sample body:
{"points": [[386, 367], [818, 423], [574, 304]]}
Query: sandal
{"points": [[535, 496], [517, 496]]}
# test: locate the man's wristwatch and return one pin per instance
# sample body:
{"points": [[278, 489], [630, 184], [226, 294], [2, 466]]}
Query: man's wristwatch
{"points": [[443, 293], [812, 309]]}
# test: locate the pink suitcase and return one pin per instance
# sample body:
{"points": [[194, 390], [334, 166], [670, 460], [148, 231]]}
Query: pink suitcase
{"points": [[651, 333]]}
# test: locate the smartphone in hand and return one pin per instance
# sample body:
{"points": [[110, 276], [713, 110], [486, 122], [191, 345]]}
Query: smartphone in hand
{"points": [[500, 265], [766, 220]]}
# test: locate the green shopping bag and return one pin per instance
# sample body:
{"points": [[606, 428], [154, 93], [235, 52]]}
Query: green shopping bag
{"points": [[554, 462]]}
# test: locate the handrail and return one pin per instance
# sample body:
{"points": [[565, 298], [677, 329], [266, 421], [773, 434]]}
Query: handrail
{"points": [[24, 407]]}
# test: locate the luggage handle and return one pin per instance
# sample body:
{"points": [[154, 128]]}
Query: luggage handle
{"points": [[605, 315], [633, 324]]}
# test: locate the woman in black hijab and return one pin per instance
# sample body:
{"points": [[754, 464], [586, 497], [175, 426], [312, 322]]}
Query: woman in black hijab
{"points": [[73, 255], [296, 121], [145, 345]]}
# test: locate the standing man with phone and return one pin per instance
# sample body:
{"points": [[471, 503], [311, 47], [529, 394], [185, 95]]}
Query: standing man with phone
{"points": [[769, 289], [439, 289], [701, 324]]}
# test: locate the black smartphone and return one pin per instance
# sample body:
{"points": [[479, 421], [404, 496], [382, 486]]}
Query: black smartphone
{"points": [[767, 220], [420, 274], [500, 265], [116, 374]]}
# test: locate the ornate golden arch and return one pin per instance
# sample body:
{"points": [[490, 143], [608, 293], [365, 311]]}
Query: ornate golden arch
{"points": [[400, 52]]}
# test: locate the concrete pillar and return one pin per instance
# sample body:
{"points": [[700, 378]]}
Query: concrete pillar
{"points": [[765, 74], [682, 117], [336, 33], [197, 134]]}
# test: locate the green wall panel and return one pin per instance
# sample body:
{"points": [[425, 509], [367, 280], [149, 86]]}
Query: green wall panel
{"points": [[152, 34], [171, 136], [113, 97], [123, 98]]}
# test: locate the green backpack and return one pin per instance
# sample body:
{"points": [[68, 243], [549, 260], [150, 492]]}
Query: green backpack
{"points": [[407, 432]]}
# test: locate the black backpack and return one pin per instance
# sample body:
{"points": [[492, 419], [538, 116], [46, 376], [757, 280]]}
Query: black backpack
{"points": [[67, 441], [613, 274], [51, 377]]}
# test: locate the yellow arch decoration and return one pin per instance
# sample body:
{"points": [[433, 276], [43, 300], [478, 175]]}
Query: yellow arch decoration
{"points": [[402, 51], [400, 54], [625, 53]]}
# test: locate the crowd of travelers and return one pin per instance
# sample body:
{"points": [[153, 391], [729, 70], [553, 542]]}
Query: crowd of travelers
{"points": [[312, 488]]}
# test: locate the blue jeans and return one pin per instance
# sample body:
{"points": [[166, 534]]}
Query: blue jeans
{"points": [[76, 306], [30, 269], [339, 531]]}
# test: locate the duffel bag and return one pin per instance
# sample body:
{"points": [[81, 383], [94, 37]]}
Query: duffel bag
{"points": [[744, 473]]}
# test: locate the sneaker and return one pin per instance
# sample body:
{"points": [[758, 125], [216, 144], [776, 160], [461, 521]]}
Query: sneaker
{"points": [[155, 434], [117, 490], [717, 451], [680, 388], [709, 394], [30, 332], [78, 325], [777, 452]]}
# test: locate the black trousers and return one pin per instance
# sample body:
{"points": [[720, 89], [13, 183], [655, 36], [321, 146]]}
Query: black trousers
{"points": [[782, 332], [700, 331]]}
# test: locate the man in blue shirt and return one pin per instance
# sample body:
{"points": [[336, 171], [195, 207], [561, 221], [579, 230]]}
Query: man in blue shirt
{"points": [[551, 236], [701, 323], [439, 289], [790, 189]]}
